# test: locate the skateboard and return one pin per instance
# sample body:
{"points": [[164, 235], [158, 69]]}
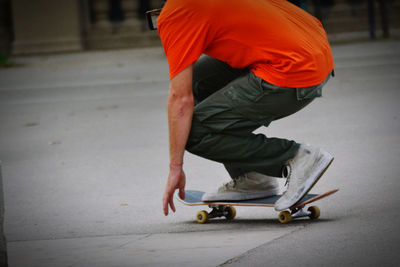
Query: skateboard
{"points": [[227, 208]]}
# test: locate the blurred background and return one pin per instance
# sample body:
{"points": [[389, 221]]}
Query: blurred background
{"points": [[47, 26]]}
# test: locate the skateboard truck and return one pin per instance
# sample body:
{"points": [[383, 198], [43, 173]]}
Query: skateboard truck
{"points": [[298, 212], [228, 212]]}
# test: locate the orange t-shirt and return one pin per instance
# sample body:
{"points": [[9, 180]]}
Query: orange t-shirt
{"points": [[278, 41]]}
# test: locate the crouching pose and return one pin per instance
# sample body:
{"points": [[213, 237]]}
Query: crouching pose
{"points": [[235, 66]]}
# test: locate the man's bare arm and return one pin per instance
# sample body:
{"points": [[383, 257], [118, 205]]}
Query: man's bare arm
{"points": [[180, 113]]}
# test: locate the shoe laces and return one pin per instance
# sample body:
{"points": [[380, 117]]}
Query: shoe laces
{"points": [[287, 172], [232, 184]]}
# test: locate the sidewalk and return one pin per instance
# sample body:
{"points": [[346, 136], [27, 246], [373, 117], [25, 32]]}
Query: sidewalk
{"points": [[84, 147]]}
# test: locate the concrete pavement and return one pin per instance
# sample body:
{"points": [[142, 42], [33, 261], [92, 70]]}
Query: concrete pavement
{"points": [[83, 141]]}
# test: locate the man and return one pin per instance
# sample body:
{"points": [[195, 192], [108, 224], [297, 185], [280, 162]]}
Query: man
{"points": [[263, 60]]}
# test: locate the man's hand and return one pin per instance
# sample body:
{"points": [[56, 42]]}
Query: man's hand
{"points": [[176, 180]]}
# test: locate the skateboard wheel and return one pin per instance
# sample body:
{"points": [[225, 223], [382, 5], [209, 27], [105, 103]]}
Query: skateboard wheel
{"points": [[231, 212], [202, 216], [315, 212], [284, 217]]}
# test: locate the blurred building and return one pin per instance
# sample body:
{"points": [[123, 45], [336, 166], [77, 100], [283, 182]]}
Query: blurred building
{"points": [[48, 26]]}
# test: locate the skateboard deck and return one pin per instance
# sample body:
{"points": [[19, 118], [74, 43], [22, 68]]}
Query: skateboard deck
{"points": [[226, 208]]}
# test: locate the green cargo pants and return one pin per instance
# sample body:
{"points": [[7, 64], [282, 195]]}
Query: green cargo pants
{"points": [[230, 105]]}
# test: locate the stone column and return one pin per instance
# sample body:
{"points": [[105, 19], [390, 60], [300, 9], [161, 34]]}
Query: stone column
{"points": [[131, 22], [101, 18], [384, 12], [44, 26], [130, 33]]}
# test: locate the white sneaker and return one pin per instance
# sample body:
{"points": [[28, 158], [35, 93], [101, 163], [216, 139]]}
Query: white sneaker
{"points": [[249, 186], [305, 169]]}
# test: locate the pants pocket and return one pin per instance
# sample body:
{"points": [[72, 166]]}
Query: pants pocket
{"points": [[245, 96], [312, 91]]}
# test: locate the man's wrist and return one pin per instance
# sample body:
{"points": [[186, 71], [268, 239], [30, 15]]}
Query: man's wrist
{"points": [[175, 165]]}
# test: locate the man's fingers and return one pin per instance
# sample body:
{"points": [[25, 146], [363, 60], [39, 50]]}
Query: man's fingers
{"points": [[168, 200], [165, 206], [182, 193], [171, 203]]}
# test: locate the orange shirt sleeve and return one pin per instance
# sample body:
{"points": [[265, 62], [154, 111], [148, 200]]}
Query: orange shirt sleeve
{"points": [[182, 39]]}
